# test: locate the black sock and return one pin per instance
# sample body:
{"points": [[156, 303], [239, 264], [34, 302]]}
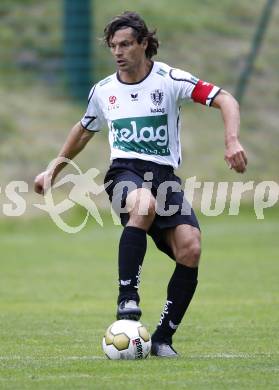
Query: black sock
{"points": [[132, 248], [181, 288]]}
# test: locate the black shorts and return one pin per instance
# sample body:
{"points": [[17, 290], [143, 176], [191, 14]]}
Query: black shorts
{"points": [[134, 171]]}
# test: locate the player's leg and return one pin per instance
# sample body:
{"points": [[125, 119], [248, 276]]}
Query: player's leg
{"points": [[132, 247], [126, 190], [184, 241]]}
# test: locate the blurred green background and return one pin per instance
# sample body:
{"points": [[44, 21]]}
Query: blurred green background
{"points": [[210, 39]]}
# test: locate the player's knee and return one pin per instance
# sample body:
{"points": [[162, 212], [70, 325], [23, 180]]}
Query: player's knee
{"points": [[189, 254], [141, 203], [143, 217], [144, 209]]}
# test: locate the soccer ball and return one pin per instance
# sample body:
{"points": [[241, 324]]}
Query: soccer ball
{"points": [[126, 339]]}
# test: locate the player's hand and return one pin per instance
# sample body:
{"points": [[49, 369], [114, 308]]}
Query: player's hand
{"points": [[43, 182], [235, 156]]}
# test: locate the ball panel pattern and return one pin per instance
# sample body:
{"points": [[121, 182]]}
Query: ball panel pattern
{"points": [[144, 333], [121, 341]]}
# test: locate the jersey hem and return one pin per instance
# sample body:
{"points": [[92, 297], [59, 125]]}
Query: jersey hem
{"points": [[93, 131]]}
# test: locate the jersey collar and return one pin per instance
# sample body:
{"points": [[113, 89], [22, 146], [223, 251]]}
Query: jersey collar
{"points": [[123, 82]]}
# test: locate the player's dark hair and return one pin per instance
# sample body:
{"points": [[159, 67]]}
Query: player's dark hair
{"points": [[140, 31]]}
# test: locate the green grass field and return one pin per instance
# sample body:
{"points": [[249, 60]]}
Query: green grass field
{"points": [[57, 296]]}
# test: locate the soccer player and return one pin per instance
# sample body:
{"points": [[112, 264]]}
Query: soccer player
{"points": [[141, 105]]}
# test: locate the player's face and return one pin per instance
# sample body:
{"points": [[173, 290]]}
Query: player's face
{"points": [[127, 52]]}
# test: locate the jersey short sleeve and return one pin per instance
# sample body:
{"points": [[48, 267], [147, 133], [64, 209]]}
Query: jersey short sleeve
{"points": [[93, 119], [189, 87]]}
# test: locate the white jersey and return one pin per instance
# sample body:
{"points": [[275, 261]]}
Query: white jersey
{"points": [[143, 118]]}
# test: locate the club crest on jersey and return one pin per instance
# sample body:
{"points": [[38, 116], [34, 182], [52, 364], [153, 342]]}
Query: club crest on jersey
{"points": [[157, 97]]}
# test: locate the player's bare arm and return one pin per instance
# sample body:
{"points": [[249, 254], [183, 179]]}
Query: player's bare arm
{"points": [[75, 142], [235, 154]]}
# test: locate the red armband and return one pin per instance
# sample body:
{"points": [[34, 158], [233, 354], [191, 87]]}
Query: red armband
{"points": [[201, 92]]}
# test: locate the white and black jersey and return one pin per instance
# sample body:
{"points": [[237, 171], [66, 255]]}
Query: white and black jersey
{"points": [[143, 118]]}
